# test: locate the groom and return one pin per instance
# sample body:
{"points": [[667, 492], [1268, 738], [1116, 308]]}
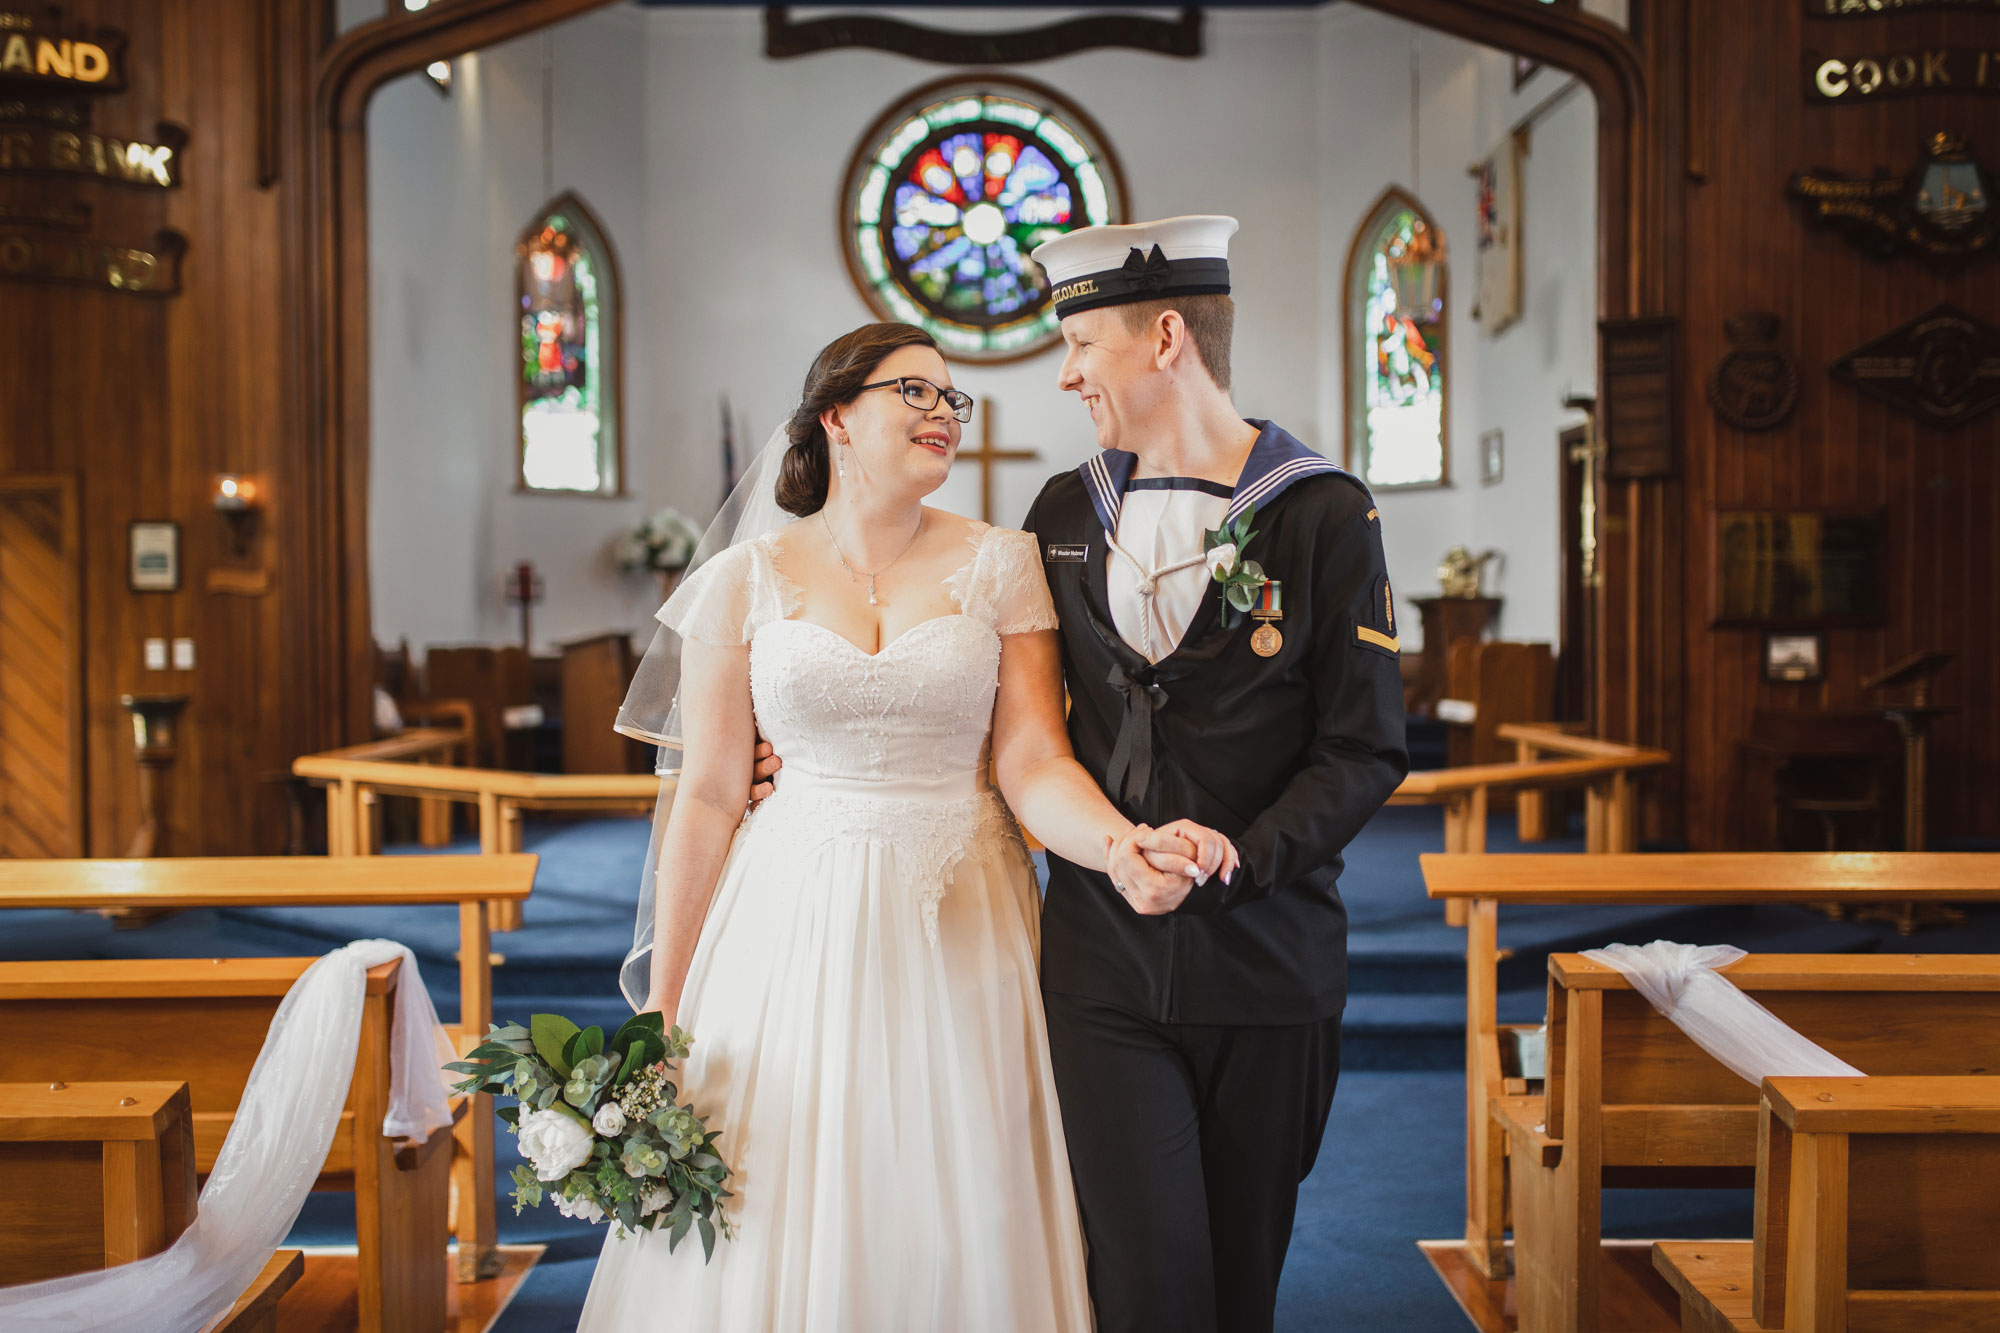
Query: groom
{"points": [[1196, 1050]]}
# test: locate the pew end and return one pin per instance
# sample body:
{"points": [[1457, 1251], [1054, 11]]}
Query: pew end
{"points": [[256, 1310]]}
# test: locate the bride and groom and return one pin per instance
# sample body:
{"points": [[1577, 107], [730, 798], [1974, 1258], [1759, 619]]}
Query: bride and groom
{"points": [[948, 1106]]}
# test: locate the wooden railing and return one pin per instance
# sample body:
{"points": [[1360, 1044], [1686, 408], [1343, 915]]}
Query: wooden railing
{"points": [[358, 777], [1604, 769]]}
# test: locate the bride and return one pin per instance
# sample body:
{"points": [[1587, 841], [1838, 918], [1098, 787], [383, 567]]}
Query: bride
{"points": [[856, 957]]}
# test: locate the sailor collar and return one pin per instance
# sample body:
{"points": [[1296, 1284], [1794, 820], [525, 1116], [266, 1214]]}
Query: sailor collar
{"points": [[1276, 461]]}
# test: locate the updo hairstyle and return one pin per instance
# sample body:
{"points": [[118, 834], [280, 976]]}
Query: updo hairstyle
{"points": [[837, 374]]}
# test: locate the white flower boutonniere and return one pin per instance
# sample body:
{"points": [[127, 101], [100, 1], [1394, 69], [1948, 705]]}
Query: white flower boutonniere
{"points": [[1222, 552]]}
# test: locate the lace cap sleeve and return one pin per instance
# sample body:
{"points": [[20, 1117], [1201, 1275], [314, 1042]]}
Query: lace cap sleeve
{"points": [[1016, 590], [726, 600]]}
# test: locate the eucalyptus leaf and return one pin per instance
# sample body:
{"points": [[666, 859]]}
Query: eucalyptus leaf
{"points": [[707, 1239], [1240, 597], [551, 1033]]}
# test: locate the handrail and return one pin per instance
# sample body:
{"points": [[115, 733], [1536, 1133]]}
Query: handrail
{"points": [[403, 745], [1550, 737], [1420, 786], [463, 783]]}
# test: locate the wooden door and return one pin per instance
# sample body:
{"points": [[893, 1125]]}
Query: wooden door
{"points": [[1576, 652], [41, 661]]}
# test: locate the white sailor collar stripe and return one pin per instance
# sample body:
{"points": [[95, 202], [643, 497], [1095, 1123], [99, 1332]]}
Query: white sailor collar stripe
{"points": [[1276, 461]]}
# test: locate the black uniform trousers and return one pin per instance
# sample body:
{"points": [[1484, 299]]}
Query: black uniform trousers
{"points": [[1188, 1142]]}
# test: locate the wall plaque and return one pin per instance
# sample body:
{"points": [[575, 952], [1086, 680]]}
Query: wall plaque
{"points": [[1861, 9], [48, 150], [1942, 367], [53, 56], [1637, 413], [1941, 209], [83, 262], [1876, 74], [1798, 568], [1754, 386]]}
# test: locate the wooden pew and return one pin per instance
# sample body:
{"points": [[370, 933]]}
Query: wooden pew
{"points": [[474, 884], [1877, 1203], [1630, 1100], [110, 1168], [1482, 883], [204, 1021]]}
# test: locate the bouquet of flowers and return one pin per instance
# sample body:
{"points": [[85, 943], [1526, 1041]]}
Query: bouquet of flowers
{"points": [[664, 543], [599, 1125]]}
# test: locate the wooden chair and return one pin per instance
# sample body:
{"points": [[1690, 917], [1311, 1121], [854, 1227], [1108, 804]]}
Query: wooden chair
{"points": [[596, 672], [1629, 1100], [1877, 1203], [110, 1168], [1500, 683], [203, 1021]]}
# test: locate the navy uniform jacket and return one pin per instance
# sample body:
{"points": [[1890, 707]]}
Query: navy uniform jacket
{"points": [[1287, 756]]}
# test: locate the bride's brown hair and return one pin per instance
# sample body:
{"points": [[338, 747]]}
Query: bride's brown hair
{"points": [[837, 374]]}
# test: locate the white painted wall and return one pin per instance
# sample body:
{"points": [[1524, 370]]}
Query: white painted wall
{"points": [[716, 173]]}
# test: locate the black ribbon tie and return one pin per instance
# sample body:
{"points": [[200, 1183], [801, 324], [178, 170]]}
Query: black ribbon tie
{"points": [[1132, 757]]}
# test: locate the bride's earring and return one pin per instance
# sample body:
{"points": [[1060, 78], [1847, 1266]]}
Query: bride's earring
{"points": [[840, 457]]}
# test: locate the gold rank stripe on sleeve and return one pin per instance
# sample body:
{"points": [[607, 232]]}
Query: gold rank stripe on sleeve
{"points": [[1374, 514], [1363, 634]]}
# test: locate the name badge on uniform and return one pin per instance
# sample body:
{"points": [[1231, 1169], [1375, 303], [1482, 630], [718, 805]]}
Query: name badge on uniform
{"points": [[1269, 607], [1074, 555]]}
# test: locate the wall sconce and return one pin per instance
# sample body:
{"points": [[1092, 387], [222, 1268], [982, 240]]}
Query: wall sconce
{"points": [[236, 500], [440, 74]]}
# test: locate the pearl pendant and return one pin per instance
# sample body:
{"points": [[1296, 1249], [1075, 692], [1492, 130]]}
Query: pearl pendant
{"points": [[871, 593]]}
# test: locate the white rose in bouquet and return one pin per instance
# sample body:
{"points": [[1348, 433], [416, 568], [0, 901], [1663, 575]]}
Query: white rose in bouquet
{"points": [[1220, 558], [554, 1143], [609, 1120], [580, 1208]]}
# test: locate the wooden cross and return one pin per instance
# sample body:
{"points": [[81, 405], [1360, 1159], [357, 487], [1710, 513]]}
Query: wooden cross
{"points": [[986, 456]]}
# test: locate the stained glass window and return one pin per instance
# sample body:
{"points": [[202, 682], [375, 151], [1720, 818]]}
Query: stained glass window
{"points": [[950, 191], [1396, 347], [568, 360]]}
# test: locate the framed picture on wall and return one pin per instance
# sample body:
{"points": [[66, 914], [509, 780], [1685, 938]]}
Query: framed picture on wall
{"points": [[1492, 457], [1798, 568], [1792, 657], [154, 563]]}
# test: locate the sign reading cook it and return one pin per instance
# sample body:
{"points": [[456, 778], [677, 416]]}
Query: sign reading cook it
{"points": [[89, 61], [1942, 69]]}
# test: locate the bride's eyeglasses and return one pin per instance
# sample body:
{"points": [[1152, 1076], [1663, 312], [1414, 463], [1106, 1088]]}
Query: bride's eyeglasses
{"points": [[923, 395]]}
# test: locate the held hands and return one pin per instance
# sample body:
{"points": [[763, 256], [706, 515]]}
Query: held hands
{"points": [[1154, 869]]}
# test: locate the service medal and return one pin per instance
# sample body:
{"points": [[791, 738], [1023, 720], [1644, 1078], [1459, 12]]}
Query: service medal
{"points": [[1270, 606]]}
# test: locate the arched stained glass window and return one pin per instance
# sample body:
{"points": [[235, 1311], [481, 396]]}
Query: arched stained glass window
{"points": [[567, 354], [949, 192], [1397, 371]]}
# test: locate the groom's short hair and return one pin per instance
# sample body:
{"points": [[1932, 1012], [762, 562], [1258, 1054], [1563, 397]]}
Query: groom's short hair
{"points": [[1211, 323]]}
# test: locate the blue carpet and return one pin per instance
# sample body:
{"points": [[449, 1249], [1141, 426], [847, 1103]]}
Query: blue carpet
{"points": [[1392, 1167]]}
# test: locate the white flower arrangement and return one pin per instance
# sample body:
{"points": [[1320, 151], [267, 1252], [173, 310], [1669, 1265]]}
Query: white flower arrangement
{"points": [[663, 544]]}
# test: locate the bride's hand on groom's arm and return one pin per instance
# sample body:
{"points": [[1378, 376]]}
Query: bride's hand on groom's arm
{"points": [[764, 764]]}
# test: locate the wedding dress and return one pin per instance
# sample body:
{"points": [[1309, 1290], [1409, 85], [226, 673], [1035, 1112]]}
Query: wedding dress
{"points": [[867, 1020]]}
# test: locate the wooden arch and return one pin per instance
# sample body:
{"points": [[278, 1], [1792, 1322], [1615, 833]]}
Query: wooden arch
{"points": [[1630, 275]]}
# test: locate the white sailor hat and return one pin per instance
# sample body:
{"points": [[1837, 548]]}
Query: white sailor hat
{"points": [[1137, 261]]}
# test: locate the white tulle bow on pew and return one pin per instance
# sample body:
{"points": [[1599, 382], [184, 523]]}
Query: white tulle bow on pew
{"points": [[1681, 982], [267, 1164]]}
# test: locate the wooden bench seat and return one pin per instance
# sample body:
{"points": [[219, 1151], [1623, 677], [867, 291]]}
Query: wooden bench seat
{"points": [[1878, 1201], [1631, 1101], [473, 884], [1481, 884], [203, 1021], [256, 1310], [109, 1168]]}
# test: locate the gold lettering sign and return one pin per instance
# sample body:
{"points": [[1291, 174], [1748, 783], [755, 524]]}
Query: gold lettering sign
{"points": [[90, 61], [25, 257], [1070, 291], [36, 148], [1938, 69], [1848, 9]]}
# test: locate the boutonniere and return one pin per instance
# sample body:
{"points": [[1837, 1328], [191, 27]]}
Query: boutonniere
{"points": [[1222, 552]]}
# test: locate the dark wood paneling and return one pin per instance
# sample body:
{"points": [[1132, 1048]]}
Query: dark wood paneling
{"points": [[1748, 247], [142, 400]]}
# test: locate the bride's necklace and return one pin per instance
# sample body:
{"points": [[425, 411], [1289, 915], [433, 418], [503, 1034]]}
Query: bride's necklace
{"points": [[852, 572]]}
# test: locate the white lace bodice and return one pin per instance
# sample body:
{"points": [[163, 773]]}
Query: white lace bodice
{"points": [[888, 747]]}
